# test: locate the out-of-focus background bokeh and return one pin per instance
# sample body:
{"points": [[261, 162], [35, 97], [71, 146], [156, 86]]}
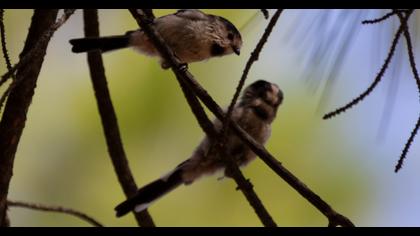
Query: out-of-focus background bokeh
{"points": [[349, 161]]}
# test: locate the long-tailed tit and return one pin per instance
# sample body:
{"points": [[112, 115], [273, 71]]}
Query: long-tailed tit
{"points": [[254, 113], [191, 34]]}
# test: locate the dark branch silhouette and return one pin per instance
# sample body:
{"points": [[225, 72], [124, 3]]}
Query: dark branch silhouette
{"points": [[34, 51], [59, 209], [410, 50], [407, 146], [382, 18], [198, 111], [109, 118], [265, 13], [417, 78], [18, 102], [403, 16], [378, 77], [334, 218], [3, 41]]}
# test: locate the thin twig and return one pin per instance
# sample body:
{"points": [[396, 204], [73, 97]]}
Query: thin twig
{"points": [[59, 209], [109, 118], [382, 18], [180, 71], [253, 57], [265, 13], [333, 217], [407, 146], [30, 53], [417, 78], [3, 41], [378, 77], [6, 58], [410, 50]]}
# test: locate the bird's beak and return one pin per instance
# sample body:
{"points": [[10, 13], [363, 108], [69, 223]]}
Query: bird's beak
{"points": [[236, 50]]}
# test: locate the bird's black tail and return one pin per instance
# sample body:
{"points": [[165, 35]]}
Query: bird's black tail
{"points": [[104, 44], [149, 193]]}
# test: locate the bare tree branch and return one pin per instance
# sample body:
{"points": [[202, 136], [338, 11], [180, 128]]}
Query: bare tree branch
{"points": [[34, 52], [109, 118], [334, 218], [14, 116], [378, 77], [243, 184], [417, 78], [410, 50], [380, 19], [6, 57], [265, 13], [407, 146], [253, 58], [59, 209]]}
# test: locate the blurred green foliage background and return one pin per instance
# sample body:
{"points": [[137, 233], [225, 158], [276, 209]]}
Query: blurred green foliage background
{"points": [[62, 158]]}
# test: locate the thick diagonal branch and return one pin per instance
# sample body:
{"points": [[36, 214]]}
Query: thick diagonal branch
{"points": [[109, 118], [14, 116], [243, 184], [334, 218]]}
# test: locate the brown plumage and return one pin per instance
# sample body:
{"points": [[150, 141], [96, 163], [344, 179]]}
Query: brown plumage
{"points": [[254, 113], [191, 34]]}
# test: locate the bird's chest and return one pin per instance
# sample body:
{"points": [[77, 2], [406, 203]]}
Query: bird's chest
{"points": [[190, 43], [255, 127]]}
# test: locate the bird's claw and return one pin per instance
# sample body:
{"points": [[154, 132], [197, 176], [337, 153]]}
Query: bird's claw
{"points": [[183, 67]]}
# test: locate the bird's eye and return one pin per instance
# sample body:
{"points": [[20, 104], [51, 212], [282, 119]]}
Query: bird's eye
{"points": [[230, 36]]}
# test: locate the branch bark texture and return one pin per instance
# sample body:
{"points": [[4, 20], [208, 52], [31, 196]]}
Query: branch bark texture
{"points": [[16, 109], [109, 118]]}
